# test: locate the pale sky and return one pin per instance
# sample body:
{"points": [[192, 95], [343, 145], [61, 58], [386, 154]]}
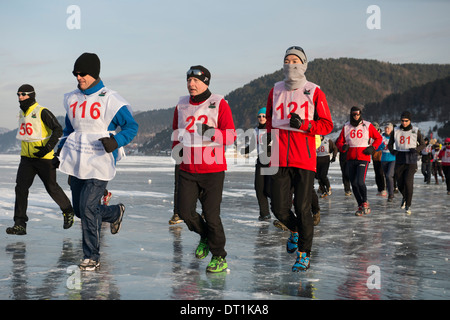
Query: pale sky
{"points": [[146, 47]]}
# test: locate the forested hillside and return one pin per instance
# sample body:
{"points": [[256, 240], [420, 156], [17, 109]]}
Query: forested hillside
{"points": [[346, 82]]}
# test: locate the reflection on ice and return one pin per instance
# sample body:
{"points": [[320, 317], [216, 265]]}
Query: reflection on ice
{"points": [[149, 259]]}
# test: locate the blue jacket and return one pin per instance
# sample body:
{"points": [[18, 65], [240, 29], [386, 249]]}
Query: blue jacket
{"points": [[123, 119], [385, 156]]}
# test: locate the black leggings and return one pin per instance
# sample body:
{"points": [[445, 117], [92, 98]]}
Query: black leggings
{"points": [[357, 170], [302, 182], [210, 186], [28, 169]]}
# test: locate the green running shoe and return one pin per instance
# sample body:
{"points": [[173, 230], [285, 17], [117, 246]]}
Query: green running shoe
{"points": [[202, 249], [217, 264]]}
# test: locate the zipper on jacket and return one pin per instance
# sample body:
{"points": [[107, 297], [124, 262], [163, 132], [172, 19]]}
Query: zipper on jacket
{"points": [[307, 146]]}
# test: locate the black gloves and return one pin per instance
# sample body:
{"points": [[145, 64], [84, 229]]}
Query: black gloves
{"points": [[369, 150], [345, 147], [55, 160], [43, 150], [333, 159], [109, 143], [205, 130], [296, 121]]}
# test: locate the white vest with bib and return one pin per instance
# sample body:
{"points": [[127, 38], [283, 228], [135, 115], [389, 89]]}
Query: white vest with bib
{"points": [[30, 125], [83, 155], [189, 116], [405, 140], [324, 148], [357, 137], [298, 101]]}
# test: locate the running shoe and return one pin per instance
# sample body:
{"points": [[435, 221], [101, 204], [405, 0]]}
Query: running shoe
{"points": [[316, 218], [280, 225], [366, 208], [359, 212], [115, 226], [217, 264], [264, 218], [89, 265], [68, 219], [292, 242], [408, 210], [17, 230], [202, 249], [302, 262], [175, 219], [106, 198]]}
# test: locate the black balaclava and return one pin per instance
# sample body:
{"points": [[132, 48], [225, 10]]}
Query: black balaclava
{"points": [[354, 122], [25, 104]]}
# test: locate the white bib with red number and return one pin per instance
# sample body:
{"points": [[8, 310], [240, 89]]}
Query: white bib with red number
{"points": [[190, 116], [324, 148], [357, 137], [30, 125], [83, 155], [298, 101], [446, 157], [405, 140]]}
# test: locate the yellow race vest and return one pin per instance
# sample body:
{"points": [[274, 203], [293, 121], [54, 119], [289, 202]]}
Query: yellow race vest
{"points": [[33, 132]]}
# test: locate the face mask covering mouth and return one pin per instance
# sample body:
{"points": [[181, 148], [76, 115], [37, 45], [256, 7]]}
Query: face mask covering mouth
{"points": [[294, 76]]}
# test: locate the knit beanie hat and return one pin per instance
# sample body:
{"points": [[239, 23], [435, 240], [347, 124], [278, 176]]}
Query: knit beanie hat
{"points": [[298, 51], [406, 115], [262, 110], [200, 73], [88, 63]]}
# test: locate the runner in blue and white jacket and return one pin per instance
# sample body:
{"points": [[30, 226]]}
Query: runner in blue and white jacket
{"points": [[89, 152], [388, 161]]}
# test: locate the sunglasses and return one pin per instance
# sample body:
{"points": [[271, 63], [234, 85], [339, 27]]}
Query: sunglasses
{"points": [[447, 143], [406, 120], [356, 114], [81, 74], [261, 116], [23, 94], [194, 72]]}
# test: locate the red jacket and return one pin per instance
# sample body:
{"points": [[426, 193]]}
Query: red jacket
{"points": [[208, 159], [298, 149], [356, 153]]}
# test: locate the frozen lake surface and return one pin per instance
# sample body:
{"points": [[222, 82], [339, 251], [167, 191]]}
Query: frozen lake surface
{"points": [[386, 255]]}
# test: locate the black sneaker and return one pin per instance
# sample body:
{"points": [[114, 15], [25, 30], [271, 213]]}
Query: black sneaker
{"points": [[115, 226], [18, 230], [68, 219]]}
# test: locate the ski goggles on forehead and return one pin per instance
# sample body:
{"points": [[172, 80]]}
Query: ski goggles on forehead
{"points": [[296, 48], [23, 94], [194, 72]]}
